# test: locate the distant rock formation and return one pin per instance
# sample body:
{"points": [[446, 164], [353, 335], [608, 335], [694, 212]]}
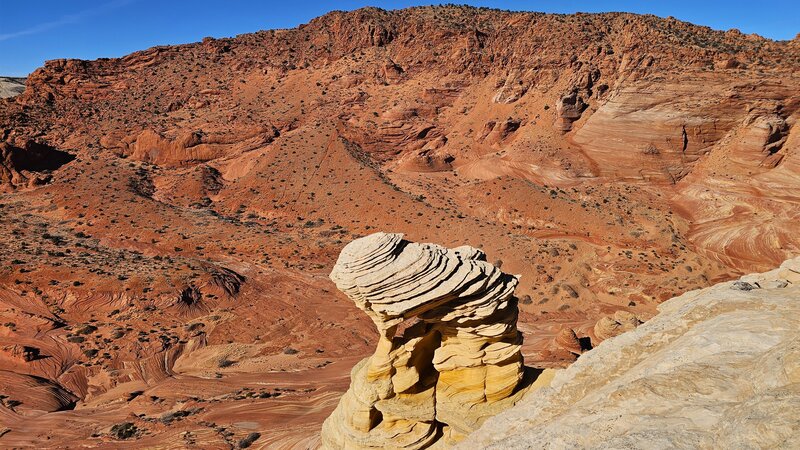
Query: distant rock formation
{"points": [[11, 86], [458, 362], [568, 340], [614, 325], [29, 165], [717, 368]]}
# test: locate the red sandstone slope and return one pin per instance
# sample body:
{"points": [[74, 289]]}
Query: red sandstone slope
{"points": [[171, 216]]}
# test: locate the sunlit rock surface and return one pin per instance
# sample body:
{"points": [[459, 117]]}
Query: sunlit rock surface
{"points": [[717, 368], [458, 362]]}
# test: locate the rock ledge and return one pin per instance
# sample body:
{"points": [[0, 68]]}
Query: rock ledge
{"points": [[717, 368]]}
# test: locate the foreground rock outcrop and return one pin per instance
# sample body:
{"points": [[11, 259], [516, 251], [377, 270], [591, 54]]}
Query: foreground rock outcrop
{"points": [[717, 368], [457, 364]]}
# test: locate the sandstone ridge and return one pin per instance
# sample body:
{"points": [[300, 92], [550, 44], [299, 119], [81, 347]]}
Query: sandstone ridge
{"points": [[456, 365], [717, 368]]}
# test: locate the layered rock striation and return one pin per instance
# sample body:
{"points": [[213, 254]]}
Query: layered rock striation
{"points": [[457, 359], [11, 86], [717, 368]]}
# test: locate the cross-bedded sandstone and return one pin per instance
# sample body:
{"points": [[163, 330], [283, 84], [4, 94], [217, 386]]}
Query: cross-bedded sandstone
{"points": [[456, 365]]}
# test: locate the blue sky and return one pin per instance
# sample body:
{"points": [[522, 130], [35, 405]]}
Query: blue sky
{"points": [[32, 32]]}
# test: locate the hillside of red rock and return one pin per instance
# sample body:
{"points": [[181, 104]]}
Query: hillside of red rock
{"points": [[170, 217]]}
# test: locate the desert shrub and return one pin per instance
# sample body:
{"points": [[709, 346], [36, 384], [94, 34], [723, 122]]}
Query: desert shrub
{"points": [[248, 440], [125, 430], [650, 149], [225, 362]]}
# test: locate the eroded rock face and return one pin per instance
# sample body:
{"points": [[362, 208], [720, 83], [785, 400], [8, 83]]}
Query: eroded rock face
{"points": [[28, 165], [456, 365], [717, 368], [569, 109]]}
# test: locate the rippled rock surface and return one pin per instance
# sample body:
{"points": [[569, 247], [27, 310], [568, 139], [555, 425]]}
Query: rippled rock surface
{"points": [[717, 368]]}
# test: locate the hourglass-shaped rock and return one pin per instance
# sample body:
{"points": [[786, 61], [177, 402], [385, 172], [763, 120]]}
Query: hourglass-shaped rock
{"points": [[457, 360]]}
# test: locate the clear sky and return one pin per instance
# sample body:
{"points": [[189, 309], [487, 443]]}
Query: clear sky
{"points": [[34, 31]]}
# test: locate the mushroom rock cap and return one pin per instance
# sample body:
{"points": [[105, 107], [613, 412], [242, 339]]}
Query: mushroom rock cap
{"points": [[392, 278]]}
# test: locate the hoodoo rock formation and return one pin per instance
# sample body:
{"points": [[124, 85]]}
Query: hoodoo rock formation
{"points": [[456, 365]]}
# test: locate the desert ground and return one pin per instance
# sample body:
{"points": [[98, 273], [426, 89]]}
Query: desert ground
{"points": [[170, 218]]}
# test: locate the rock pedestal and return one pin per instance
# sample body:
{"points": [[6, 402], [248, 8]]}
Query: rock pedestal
{"points": [[448, 356]]}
